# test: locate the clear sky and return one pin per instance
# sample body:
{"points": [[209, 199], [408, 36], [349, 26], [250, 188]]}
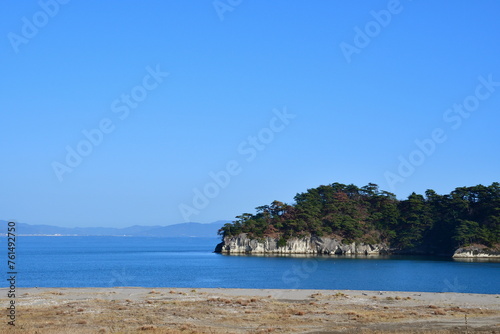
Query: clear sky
{"points": [[119, 113]]}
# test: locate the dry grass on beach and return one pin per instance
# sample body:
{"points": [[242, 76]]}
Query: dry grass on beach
{"points": [[142, 310]]}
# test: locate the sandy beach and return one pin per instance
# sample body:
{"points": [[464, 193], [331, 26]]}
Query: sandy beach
{"points": [[186, 310]]}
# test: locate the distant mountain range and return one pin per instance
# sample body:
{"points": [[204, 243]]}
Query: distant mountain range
{"points": [[176, 230]]}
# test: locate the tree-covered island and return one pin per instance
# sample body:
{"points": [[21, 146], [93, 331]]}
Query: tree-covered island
{"points": [[468, 218]]}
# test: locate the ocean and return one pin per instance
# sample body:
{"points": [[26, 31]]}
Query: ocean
{"points": [[190, 262]]}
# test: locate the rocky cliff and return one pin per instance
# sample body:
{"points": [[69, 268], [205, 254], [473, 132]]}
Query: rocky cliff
{"points": [[477, 251], [306, 245]]}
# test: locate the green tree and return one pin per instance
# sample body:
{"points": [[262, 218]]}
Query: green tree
{"points": [[466, 233], [414, 222]]}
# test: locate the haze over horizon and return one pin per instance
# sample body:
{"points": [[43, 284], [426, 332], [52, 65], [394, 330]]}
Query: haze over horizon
{"points": [[163, 112]]}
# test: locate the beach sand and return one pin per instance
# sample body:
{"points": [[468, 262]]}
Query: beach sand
{"points": [[183, 310]]}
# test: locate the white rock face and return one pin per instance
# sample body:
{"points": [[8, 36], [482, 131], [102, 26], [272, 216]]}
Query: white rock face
{"points": [[307, 245], [475, 252]]}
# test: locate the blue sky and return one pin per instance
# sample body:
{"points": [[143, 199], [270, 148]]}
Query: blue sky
{"points": [[269, 98]]}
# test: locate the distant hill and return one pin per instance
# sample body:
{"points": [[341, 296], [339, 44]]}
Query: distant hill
{"points": [[176, 230]]}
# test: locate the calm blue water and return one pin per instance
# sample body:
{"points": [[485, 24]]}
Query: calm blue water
{"points": [[189, 262]]}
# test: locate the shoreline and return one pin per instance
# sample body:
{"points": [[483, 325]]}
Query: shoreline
{"points": [[245, 291], [228, 310], [334, 246]]}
